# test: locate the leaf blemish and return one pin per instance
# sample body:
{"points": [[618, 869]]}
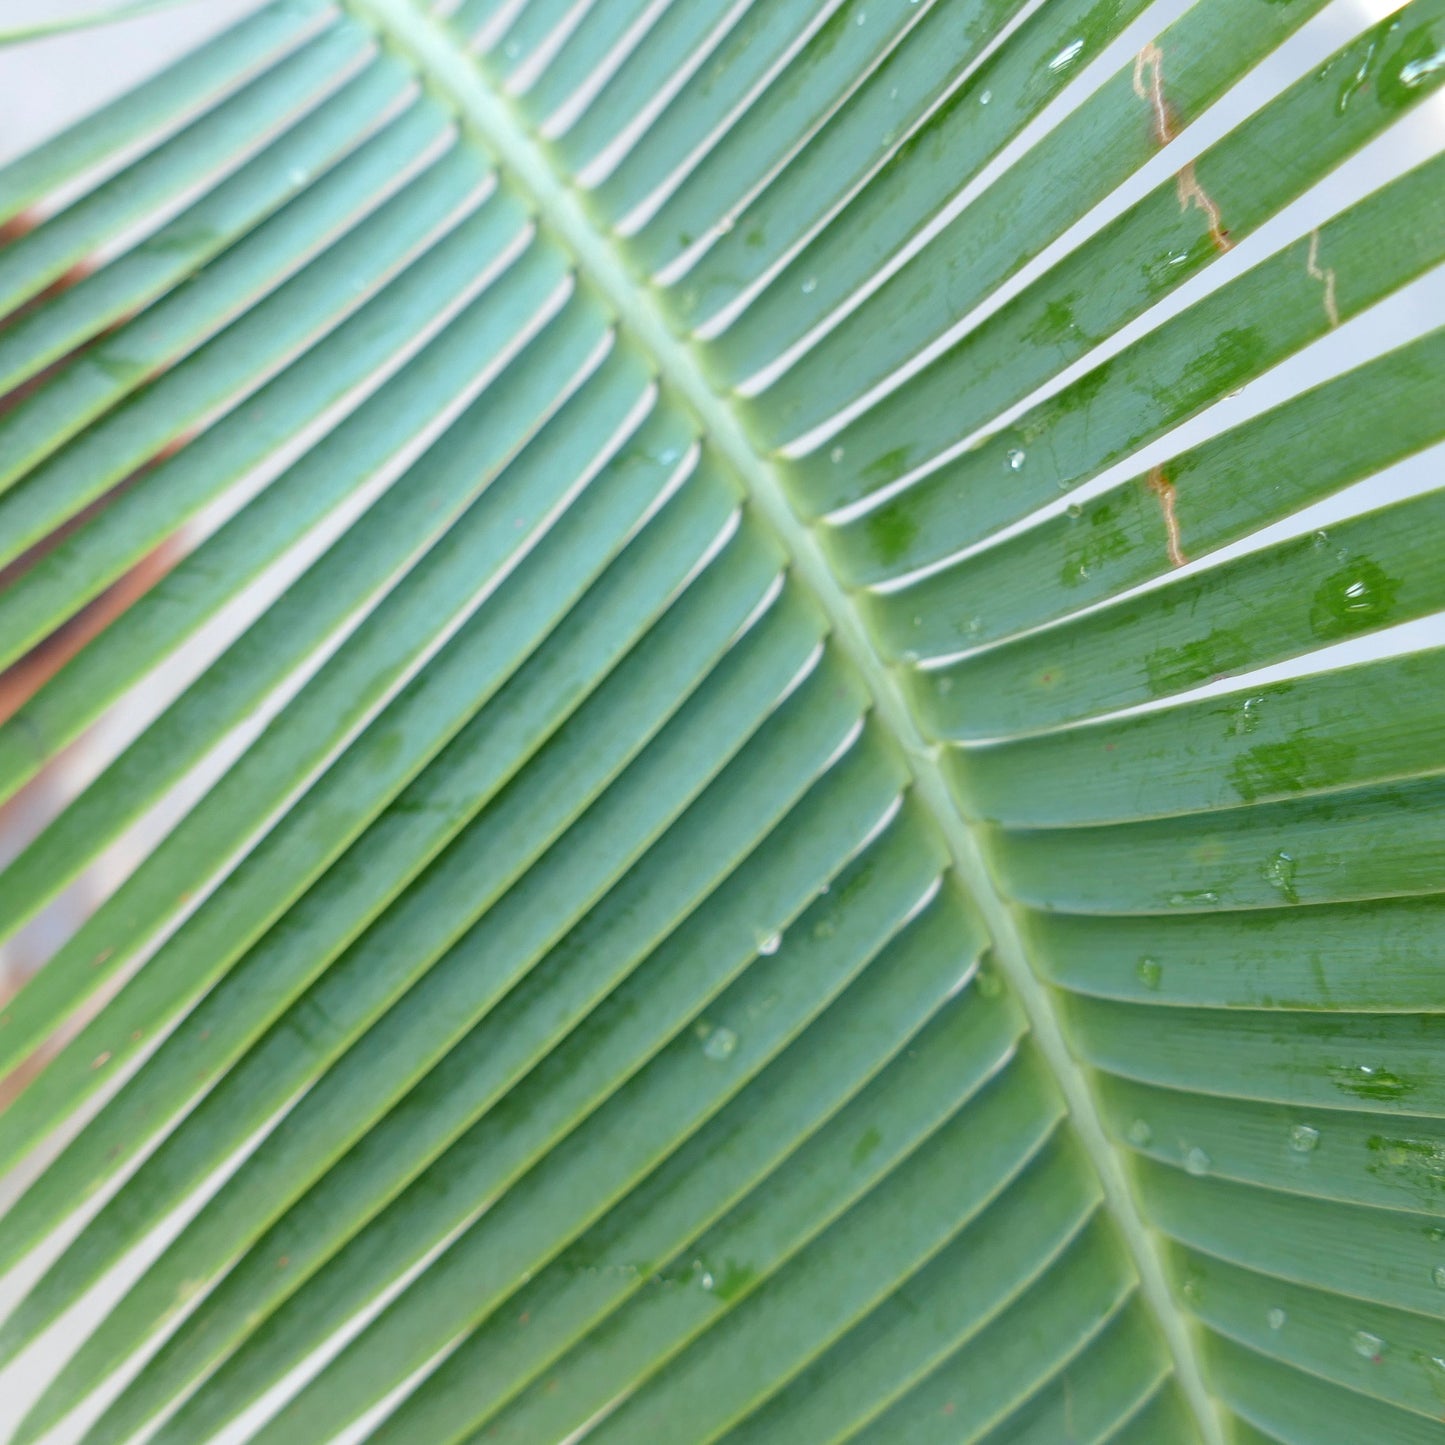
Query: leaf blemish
{"points": [[1191, 193], [1326, 277], [1149, 87], [1163, 489], [1151, 58]]}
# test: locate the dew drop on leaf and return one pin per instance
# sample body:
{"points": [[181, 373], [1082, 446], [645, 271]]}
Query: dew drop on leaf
{"points": [[1276, 1318], [1016, 458], [1066, 57], [1303, 1138], [1438, 1276], [1196, 1161], [1140, 1133], [770, 943], [1248, 718], [1415, 71], [720, 1045], [1367, 1345], [1150, 972], [1279, 874]]}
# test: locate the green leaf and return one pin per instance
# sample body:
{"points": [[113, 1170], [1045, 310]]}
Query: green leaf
{"points": [[672, 885]]}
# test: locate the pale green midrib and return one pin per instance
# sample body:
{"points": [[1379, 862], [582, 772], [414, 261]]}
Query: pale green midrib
{"points": [[449, 68]]}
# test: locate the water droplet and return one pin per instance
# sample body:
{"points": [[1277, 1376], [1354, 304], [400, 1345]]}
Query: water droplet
{"points": [[862, 17], [1359, 596], [720, 1045], [1176, 258], [824, 928], [1417, 70], [1248, 718], [990, 985], [1067, 56], [1074, 511], [668, 455], [1276, 1318], [945, 684], [1438, 1276], [1303, 1138], [836, 455], [810, 285], [1194, 899], [1016, 458], [1372, 1347], [1196, 1161], [985, 97], [1150, 972], [704, 1274], [1279, 874], [1353, 83], [1140, 1133], [1320, 540], [1191, 1289], [893, 94], [973, 626], [770, 943]]}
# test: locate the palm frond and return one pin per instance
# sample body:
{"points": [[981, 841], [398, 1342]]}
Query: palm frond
{"points": [[764, 817]]}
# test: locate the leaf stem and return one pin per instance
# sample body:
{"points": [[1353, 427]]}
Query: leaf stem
{"points": [[452, 71]]}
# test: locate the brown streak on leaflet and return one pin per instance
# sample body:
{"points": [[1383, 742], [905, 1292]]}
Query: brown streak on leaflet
{"points": [[1163, 488], [1326, 277], [1149, 87], [1152, 94], [1191, 192]]}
